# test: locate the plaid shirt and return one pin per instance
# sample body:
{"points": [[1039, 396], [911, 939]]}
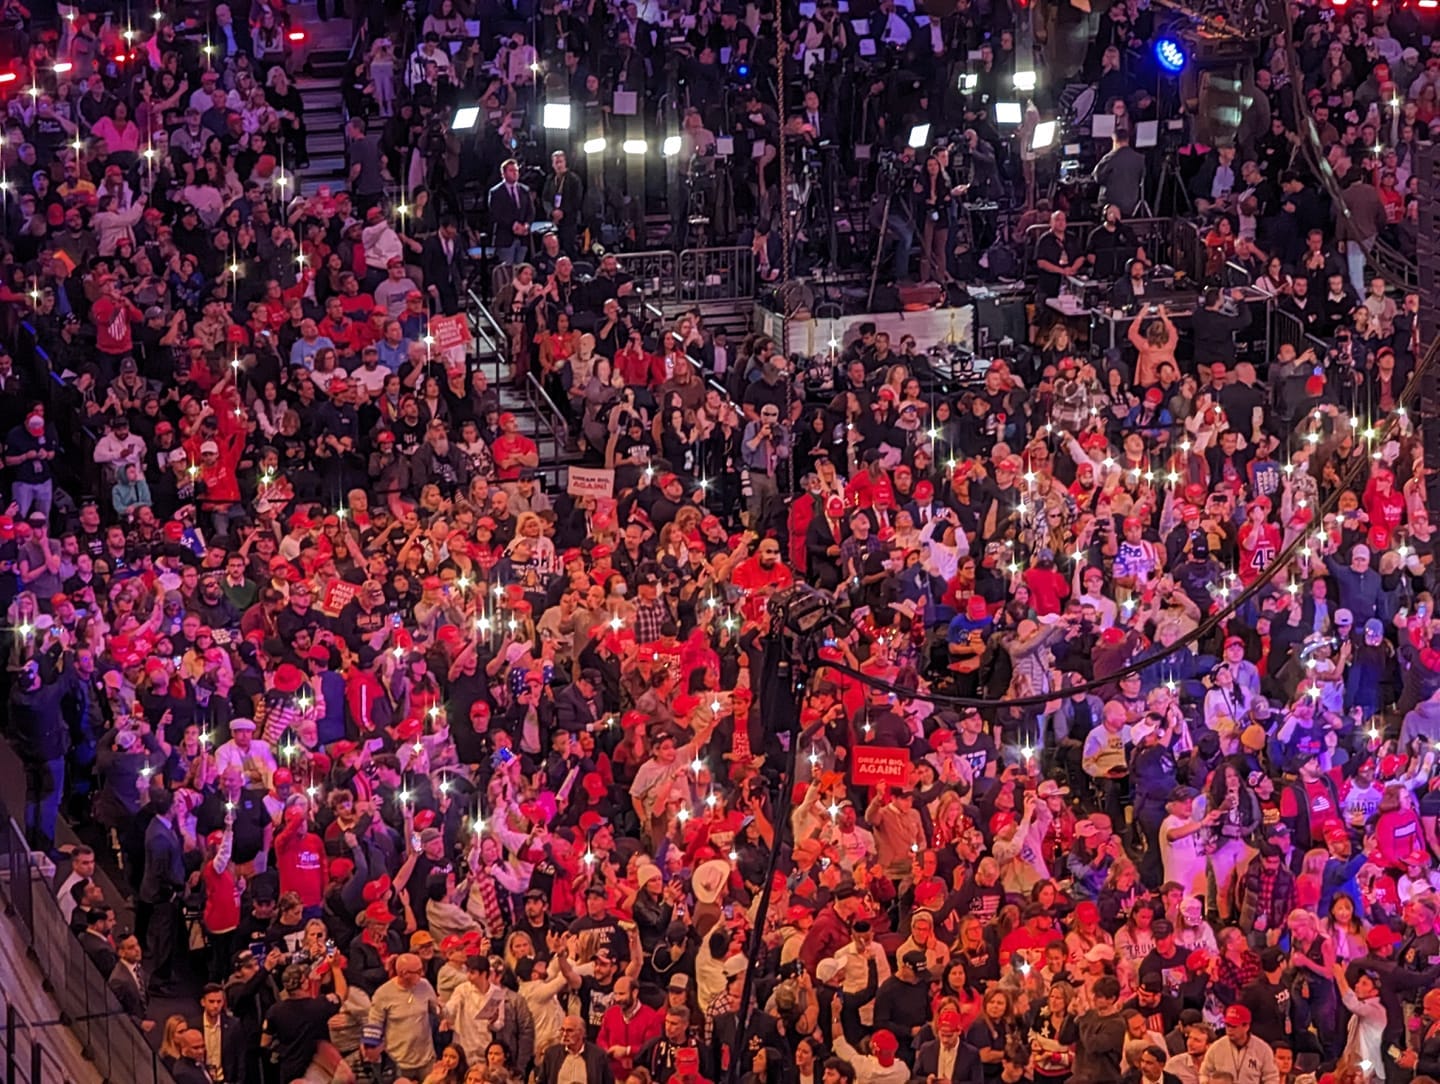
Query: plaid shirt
{"points": [[717, 1008], [649, 618]]}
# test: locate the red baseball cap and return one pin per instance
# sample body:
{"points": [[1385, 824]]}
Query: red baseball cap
{"points": [[1237, 1016]]}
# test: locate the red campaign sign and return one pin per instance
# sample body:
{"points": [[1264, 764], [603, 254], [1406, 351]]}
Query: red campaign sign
{"points": [[338, 594], [871, 765], [449, 331]]}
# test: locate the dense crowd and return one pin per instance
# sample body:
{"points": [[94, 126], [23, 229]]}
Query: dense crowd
{"points": [[413, 764]]}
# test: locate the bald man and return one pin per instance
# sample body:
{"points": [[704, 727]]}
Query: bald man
{"points": [[401, 1008], [190, 1065], [573, 1060]]}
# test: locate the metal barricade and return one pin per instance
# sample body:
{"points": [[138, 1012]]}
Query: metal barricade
{"points": [[653, 274], [1175, 241], [1285, 327], [1187, 250], [716, 274]]}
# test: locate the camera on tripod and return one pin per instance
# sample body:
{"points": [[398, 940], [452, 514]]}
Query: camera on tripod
{"points": [[893, 171]]}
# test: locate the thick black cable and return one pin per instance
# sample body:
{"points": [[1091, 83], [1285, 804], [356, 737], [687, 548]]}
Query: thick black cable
{"points": [[1207, 625]]}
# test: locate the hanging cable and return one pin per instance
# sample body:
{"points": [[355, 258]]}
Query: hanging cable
{"points": [[1300, 543]]}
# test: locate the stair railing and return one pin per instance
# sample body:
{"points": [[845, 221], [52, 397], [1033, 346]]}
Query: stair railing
{"points": [[491, 338]]}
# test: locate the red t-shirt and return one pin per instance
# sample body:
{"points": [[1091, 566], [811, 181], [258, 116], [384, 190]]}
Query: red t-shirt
{"points": [[300, 859], [222, 899], [1323, 811], [112, 325], [509, 444], [753, 580]]}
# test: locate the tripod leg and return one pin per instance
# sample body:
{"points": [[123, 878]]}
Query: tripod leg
{"points": [[879, 248]]}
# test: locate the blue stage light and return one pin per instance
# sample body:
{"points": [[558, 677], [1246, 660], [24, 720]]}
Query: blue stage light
{"points": [[1171, 55]]}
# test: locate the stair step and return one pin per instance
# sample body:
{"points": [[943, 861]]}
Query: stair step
{"points": [[317, 100], [306, 83], [325, 142]]}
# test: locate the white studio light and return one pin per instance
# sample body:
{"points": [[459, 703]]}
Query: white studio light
{"points": [[1043, 137], [919, 136], [969, 81], [556, 115], [671, 147], [634, 146], [1024, 80], [465, 118], [1007, 113], [594, 146]]}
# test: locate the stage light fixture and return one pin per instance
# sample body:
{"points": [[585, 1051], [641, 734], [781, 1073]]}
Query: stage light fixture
{"points": [[1024, 81], [671, 147], [969, 81], [1171, 55], [919, 136], [465, 118], [556, 115], [633, 146], [594, 146], [1044, 136], [1008, 113]]}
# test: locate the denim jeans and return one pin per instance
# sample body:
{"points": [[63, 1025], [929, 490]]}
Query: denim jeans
{"points": [[1355, 264], [34, 496], [46, 785], [516, 252]]}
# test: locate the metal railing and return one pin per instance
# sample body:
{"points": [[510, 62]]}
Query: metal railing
{"points": [[1285, 327], [716, 274], [491, 338], [28, 1059], [1175, 241], [545, 408], [108, 1037], [489, 335], [653, 273]]}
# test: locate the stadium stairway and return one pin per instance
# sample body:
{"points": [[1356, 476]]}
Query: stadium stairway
{"points": [[327, 49], [533, 414]]}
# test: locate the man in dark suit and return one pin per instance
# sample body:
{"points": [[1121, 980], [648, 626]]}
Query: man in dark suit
{"points": [[822, 543], [95, 939], [589, 1059], [820, 125], [161, 885], [946, 1057], [440, 264], [222, 1035], [127, 981], [190, 1067], [579, 704], [512, 209]]}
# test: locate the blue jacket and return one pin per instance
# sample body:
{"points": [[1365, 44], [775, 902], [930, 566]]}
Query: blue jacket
{"points": [[1360, 592]]}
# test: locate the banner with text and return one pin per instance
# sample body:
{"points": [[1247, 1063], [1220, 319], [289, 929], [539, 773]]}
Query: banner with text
{"points": [[871, 765]]}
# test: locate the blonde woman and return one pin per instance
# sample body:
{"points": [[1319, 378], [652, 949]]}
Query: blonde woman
{"points": [[175, 1025], [530, 528]]}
